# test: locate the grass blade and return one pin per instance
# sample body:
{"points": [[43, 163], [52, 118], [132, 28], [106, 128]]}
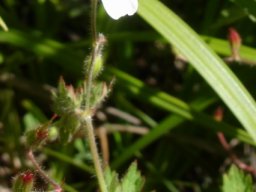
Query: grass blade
{"points": [[205, 61]]}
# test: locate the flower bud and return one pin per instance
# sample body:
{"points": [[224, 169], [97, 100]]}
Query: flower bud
{"points": [[23, 182], [66, 98], [98, 66], [235, 43], [218, 114], [38, 136]]}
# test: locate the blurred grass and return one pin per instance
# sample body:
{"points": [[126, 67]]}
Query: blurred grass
{"points": [[208, 64], [53, 51], [47, 39]]}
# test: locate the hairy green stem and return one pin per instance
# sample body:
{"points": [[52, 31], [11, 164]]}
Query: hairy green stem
{"points": [[95, 155], [87, 120], [57, 187], [94, 54], [89, 79]]}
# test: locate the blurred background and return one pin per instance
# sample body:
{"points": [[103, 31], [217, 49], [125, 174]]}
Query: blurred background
{"points": [[48, 39]]}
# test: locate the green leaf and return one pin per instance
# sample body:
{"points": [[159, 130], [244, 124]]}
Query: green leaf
{"points": [[62, 100], [68, 125], [204, 60], [236, 181], [98, 93], [131, 182], [112, 180], [30, 121]]}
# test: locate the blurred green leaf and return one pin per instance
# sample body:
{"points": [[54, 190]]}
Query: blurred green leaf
{"points": [[112, 180], [34, 110], [249, 7], [30, 121], [236, 181], [68, 159], [169, 103], [158, 131], [50, 49], [3, 25]]}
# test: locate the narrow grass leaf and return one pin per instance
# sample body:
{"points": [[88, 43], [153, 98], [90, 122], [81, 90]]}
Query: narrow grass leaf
{"points": [[205, 61]]}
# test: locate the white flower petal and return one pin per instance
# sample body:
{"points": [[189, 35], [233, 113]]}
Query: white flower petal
{"points": [[119, 8], [132, 7]]}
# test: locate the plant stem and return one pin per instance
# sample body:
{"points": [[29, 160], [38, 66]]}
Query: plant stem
{"points": [[92, 60], [97, 44], [89, 78], [31, 157], [93, 19], [87, 124], [96, 52]]}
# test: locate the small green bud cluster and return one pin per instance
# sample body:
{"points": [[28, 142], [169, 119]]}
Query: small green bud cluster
{"points": [[71, 104], [37, 137]]}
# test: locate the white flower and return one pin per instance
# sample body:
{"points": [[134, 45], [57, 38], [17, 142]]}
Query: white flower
{"points": [[119, 8]]}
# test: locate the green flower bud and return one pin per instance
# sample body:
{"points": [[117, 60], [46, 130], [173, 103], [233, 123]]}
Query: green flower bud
{"points": [[24, 182], [67, 99], [38, 136], [98, 66]]}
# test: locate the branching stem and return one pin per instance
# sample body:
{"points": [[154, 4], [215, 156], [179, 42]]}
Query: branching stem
{"points": [[55, 185]]}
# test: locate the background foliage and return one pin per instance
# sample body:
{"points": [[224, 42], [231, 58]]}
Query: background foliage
{"points": [[181, 152]]}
